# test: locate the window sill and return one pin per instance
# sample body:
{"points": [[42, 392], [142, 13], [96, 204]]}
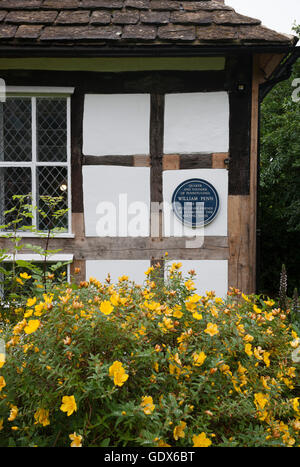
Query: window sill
{"points": [[33, 257], [31, 235]]}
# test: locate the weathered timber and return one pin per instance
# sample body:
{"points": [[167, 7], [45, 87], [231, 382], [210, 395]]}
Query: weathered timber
{"points": [[196, 161], [171, 162], [125, 161], [97, 248], [219, 160], [257, 77], [78, 270], [239, 267]]}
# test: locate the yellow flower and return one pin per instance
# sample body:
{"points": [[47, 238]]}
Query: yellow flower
{"points": [[28, 313], [178, 431], [195, 298], [177, 313], [175, 267], [115, 299], [199, 358], [201, 441], [248, 338], [2, 383], [264, 382], [1, 423], [258, 353], [76, 440], [25, 276], [120, 377], [261, 400], [266, 358], [189, 285], [248, 350], [256, 309], [163, 444], [68, 405], [269, 316], [149, 270], [117, 372], [31, 302], [219, 301], [246, 298], [123, 278], [147, 405], [106, 307], [32, 326], [39, 309], [197, 315], [192, 307], [13, 413], [2, 359], [296, 404], [116, 366], [42, 416], [19, 281], [269, 302], [211, 329]]}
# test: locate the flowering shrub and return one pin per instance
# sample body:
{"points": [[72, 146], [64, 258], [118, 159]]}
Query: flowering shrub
{"points": [[154, 365]]}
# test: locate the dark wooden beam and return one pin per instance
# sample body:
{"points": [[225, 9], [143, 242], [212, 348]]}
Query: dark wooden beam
{"points": [[240, 99], [77, 108], [195, 161], [156, 82], [125, 161], [157, 114]]}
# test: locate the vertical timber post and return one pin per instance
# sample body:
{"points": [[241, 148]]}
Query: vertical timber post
{"points": [[77, 108]]}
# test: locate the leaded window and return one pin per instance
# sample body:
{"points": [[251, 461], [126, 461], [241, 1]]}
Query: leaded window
{"points": [[35, 157]]}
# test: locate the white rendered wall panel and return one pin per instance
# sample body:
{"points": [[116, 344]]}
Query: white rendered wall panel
{"points": [[116, 124], [211, 275], [134, 269], [196, 122], [218, 178], [122, 191]]}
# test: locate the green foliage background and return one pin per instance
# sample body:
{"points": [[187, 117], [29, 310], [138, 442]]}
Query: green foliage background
{"points": [[279, 199]]}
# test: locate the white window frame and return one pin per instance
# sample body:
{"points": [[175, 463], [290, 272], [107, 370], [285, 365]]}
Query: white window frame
{"points": [[33, 93]]}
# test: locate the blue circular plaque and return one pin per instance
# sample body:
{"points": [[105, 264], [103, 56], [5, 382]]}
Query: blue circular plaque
{"points": [[195, 202]]}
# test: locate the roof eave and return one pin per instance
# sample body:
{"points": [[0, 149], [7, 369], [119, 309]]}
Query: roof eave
{"points": [[143, 50]]}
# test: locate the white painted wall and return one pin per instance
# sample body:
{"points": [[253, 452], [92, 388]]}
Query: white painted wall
{"points": [[218, 178], [116, 201], [116, 124], [211, 275], [196, 122], [134, 269]]}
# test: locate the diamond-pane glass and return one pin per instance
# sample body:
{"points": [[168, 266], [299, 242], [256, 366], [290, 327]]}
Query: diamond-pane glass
{"points": [[15, 130], [52, 181], [51, 130], [13, 181]]}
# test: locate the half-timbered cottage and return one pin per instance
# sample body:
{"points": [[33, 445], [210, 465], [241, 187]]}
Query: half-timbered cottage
{"points": [[144, 116]]}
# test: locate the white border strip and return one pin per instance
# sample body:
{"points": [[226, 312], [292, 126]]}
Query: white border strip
{"points": [[39, 89], [36, 257]]}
